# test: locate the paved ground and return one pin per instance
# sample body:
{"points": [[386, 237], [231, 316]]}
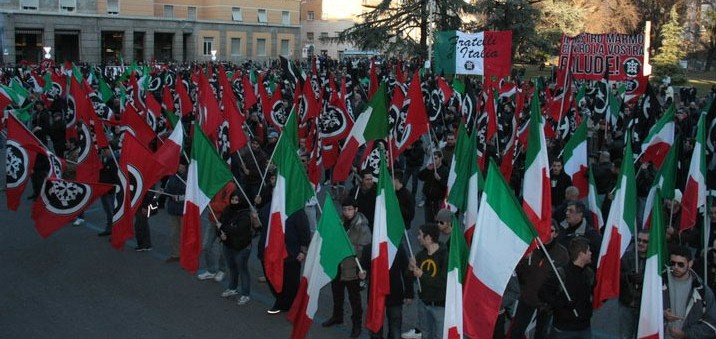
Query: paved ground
{"points": [[75, 285]]}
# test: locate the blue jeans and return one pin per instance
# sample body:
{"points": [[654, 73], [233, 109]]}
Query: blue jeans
{"points": [[430, 320], [560, 334], [214, 261], [238, 263]]}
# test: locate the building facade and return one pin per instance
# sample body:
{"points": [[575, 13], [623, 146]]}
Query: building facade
{"points": [[115, 31], [321, 20]]}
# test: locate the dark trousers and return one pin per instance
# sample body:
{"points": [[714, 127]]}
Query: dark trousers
{"points": [[395, 322], [431, 209], [291, 280], [141, 229], [108, 207], [338, 287], [522, 319]]}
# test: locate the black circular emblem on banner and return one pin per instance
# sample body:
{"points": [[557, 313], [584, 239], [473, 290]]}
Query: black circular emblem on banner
{"points": [[631, 67], [16, 164], [65, 197]]}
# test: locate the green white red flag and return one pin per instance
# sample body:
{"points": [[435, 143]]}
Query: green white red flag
{"points": [[620, 224], [329, 246], [537, 191], [388, 230], [457, 266], [576, 162], [292, 176], [504, 232], [659, 140], [206, 175], [651, 316], [695, 190]]}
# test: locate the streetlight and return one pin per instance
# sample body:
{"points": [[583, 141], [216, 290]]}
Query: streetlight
{"points": [[213, 55], [47, 52]]}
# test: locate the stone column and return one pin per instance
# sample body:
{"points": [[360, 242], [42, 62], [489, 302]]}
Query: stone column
{"points": [[128, 46], [148, 45], [178, 45]]}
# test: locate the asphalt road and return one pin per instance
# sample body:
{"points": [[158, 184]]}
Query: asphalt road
{"points": [[75, 285]]}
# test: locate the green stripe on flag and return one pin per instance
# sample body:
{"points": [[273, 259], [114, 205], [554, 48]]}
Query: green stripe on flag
{"points": [[377, 126], [657, 233], [458, 250], [396, 224], [533, 144], [212, 170], [627, 173], [502, 200], [289, 167], [335, 245]]}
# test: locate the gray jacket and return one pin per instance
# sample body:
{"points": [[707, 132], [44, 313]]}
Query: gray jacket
{"points": [[359, 235], [700, 319]]}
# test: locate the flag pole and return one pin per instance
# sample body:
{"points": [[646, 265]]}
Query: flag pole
{"points": [[556, 273], [707, 233], [564, 84]]}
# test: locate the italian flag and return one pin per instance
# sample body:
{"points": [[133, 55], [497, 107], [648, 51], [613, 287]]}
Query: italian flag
{"points": [[291, 175], [617, 233], [695, 190], [370, 125], [504, 235], [329, 246], [169, 153], [651, 316], [576, 163], [206, 175], [537, 191], [388, 230], [665, 181], [595, 210], [659, 140], [481, 53], [457, 265], [464, 181]]}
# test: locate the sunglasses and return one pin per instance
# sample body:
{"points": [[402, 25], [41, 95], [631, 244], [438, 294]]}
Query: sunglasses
{"points": [[677, 264]]}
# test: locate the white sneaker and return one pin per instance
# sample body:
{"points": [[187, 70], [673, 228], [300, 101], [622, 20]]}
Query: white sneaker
{"points": [[421, 203], [78, 222], [412, 334], [219, 276], [243, 300], [228, 293], [206, 276]]}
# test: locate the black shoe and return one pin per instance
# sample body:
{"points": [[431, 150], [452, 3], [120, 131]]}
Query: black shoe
{"points": [[104, 234], [32, 197], [355, 331], [332, 321], [171, 259]]}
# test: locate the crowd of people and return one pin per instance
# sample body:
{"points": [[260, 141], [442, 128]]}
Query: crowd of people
{"points": [[420, 176]]}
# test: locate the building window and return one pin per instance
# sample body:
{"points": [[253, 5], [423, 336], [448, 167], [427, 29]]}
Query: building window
{"points": [[30, 5], [191, 13], [311, 16], [286, 18], [208, 45], [235, 46], [260, 47], [309, 36], [263, 16], [284, 47], [324, 35], [168, 11], [236, 14], [113, 7], [68, 6]]}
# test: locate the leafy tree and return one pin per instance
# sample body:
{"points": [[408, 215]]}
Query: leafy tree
{"points": [[666, 62], [708, 39], [403, 26], [519, 16]]}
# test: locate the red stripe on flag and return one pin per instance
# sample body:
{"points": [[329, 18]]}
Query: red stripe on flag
{"points": [[689, 204], [190, 238], [656, 154], [379, 288], [297, 315], [275, 252], [608, 271], [480, 307]]}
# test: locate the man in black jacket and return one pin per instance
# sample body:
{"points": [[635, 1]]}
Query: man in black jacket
{"points": [[573, 313], [434, 177], [405, 199]]}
